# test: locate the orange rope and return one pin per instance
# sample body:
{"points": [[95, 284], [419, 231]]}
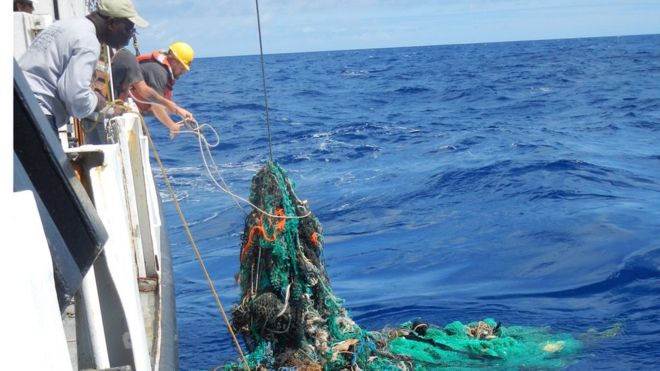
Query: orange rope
{"points": [[282, 222], [279, 227], [315, 239]]}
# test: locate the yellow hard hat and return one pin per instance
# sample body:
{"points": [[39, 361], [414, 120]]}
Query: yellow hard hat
{"points": [[183, 52]]}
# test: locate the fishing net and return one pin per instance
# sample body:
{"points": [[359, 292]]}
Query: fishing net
{"points": [[289, 316]]}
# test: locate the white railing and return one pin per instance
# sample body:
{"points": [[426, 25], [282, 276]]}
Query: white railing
{"points": [[125, 197]]}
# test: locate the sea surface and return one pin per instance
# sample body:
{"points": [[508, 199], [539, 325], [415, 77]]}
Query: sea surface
{"points": [[518, 181]]}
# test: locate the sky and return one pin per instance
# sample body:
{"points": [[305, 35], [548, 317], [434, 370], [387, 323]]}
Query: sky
{"points": [[229, 27]]}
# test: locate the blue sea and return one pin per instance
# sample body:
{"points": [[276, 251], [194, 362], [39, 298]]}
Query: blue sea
{"points": [[518, 181]]}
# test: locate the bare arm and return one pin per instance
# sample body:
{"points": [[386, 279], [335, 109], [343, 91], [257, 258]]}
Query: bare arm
{"points": [[152, 96], [164, 118]]}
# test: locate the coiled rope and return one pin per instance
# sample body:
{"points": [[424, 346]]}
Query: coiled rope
{"points": [[205, 151], [205, 146]]}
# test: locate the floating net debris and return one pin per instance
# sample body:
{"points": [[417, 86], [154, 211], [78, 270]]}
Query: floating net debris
{"points": [[290, 318]]}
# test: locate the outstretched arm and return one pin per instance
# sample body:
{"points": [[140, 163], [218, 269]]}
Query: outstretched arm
{"points": [[164, 118], [152, 96]]}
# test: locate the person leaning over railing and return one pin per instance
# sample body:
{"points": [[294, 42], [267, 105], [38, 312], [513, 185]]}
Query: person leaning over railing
{"points": [[160, 70], [60, 63], [127, 76]]}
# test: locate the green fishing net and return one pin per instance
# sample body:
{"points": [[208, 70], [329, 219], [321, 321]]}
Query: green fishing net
{"points": [[289, 317]]}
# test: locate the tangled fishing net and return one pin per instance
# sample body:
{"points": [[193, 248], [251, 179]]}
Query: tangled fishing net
{"points": [[289, 316]]}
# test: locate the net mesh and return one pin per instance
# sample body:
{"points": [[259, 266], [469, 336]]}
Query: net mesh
{"points": [[289, 316]]}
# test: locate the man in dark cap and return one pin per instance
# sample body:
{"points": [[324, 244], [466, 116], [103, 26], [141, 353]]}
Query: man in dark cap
{"points": [[60, 63]]}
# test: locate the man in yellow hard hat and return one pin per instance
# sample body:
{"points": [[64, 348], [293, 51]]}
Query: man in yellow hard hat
{"points": [[161, 69]]}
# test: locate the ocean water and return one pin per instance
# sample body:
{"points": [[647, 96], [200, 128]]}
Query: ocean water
{"points": [[519, 181]]}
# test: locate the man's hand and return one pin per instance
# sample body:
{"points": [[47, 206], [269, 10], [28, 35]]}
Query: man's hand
{"points": [[184, 114], [174, 130], [116, 110]]}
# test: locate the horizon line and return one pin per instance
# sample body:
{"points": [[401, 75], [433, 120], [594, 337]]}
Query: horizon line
{"points": [[433, 45]]}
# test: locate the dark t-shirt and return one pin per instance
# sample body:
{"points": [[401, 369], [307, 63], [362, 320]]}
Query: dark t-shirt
{"points": [[155, 75], [125, 71]]}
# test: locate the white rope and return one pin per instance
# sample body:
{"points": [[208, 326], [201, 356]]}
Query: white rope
{"points": [[224, 187], [286, 302], [197, 130]]}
